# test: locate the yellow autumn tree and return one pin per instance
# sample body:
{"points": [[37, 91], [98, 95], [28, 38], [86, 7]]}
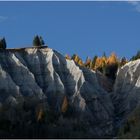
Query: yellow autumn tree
{"points": [[112, 59], [104, 59], [77, 59], [80, 62], [40, 113], [64, 106], [67, 57], [100, 62]]}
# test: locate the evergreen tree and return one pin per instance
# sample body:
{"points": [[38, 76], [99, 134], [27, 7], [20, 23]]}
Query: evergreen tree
{"points": [[94, 61], [135, 57], [2, 43], [123, 61], [88, 62], [104, 54], [73, 56], [41, 41], [36, 41]]}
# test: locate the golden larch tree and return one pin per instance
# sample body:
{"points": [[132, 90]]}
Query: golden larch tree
{"points": [[64, 106], [112, 59]]}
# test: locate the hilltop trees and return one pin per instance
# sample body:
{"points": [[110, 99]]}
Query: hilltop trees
{"points": [[77, 59], [2, 43], [41, 41], [93, 61], [106, 65], [123, 61], [135, 57], [38, 41]]}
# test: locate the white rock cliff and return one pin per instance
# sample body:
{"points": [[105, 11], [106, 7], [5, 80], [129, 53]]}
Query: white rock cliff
{"points": [[126, 95], [36, 80], [32, 76]]}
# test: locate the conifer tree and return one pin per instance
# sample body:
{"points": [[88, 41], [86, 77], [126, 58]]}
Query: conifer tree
{"points": [[36, 41], [41, 41], [123, 61], [135, 57], [94, 61], [3, 43]]}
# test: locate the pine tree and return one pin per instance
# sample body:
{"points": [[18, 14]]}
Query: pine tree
{"points": [[123, 61], [94, 61], [135, 57], [41, 41], [104, 54], [87, 63], [3, 43], [36, 41]]}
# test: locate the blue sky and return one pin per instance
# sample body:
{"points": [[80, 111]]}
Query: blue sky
{"points": [[84, 28]]}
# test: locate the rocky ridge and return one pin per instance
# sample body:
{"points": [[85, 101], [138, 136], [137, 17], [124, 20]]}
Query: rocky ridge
{"points": [[126, 90], [33, 79], [44, 95]]}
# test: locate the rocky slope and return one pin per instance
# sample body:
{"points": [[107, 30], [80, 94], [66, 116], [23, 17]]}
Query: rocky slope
{"points": [[44, 95], [126, 97]]}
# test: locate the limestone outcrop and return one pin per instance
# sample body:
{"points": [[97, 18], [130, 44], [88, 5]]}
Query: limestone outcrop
{"points": [[33, 85], [126, 95]]}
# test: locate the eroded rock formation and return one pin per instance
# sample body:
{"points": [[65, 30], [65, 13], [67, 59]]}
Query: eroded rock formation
{"points": [[33, 85], [44, 95], [126, 95]]}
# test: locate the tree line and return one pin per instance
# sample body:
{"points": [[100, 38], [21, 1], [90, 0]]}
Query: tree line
{"points": [[108, 66]]}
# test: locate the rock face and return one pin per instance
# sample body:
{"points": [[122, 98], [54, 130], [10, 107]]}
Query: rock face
{"points": [[33, 85], [105, 82], [126, 95], [44, 95]]}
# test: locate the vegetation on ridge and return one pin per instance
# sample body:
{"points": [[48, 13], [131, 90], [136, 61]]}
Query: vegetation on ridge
{"points": [[38, 41], [106, 65]]}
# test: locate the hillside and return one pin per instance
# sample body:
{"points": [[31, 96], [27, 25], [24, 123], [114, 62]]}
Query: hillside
{"points": [[44, 95], [126, 88], [126, 99]]}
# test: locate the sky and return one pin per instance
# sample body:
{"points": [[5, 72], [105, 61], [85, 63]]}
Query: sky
{"points": [[83, 28]]}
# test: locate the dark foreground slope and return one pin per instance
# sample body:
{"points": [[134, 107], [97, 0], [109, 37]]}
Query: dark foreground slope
{"points": [[44, 95]]}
